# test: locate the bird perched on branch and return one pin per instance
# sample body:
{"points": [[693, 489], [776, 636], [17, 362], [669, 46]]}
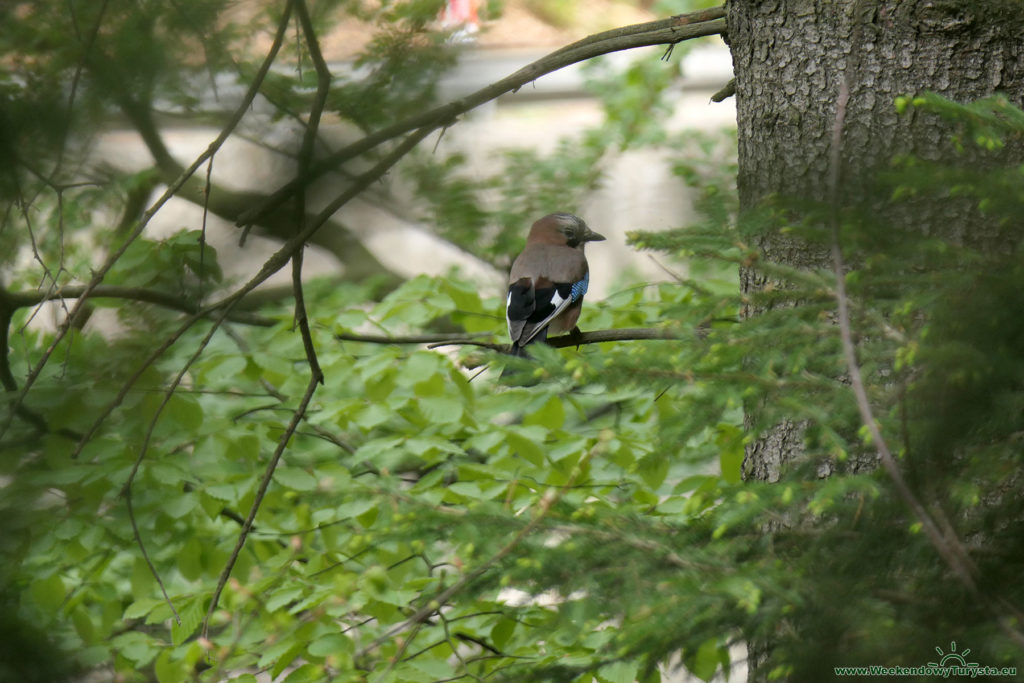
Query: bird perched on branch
{"points": [[548, 280]]}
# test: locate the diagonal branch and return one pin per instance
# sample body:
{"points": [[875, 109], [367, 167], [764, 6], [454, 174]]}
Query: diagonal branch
{"points": [[667, 31], [268, 474], [947, 545], [101, 273], [276, 262], [126, 491], [150, 296]]}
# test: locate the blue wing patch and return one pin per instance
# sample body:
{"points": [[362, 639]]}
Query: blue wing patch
{"points": [[580, 288]]}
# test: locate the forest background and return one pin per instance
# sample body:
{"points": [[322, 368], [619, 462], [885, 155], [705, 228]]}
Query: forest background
{"points": [[330, 480]]}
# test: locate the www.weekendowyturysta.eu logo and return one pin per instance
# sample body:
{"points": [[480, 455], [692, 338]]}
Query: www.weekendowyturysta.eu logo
{"points": [[950, 663], [953, 658]]}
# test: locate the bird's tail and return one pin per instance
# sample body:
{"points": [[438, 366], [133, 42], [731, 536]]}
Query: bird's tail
{"points": [[518, 351]]}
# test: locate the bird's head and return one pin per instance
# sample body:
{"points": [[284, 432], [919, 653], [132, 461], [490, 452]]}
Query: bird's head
{"points": [[563, 228]]}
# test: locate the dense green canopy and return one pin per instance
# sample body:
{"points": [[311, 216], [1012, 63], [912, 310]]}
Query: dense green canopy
{"points": [[417, 518]]}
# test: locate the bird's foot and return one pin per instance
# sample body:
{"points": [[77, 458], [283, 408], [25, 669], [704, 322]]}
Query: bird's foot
{"points": [[576, 336]]}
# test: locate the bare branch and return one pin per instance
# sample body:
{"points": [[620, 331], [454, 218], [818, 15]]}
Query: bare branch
{"points": [[150, 296], [268, 474], [126, 491], [565, 340], [305, 157], [667, 31]]}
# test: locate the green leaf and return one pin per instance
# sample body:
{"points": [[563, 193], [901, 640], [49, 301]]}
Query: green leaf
{"points": [[141, 607], [48, 593], [550, 415], [331, 644], [307, 673], [441, 410], [708, 658], [525, 447], [502, 631], [191, 615], [190, 562], [185, 411], [731, 442], [138, 647], [295, 478], [617, 672]]}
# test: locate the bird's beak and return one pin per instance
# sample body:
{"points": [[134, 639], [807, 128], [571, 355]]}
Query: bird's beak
{"points": [[592, 236]]}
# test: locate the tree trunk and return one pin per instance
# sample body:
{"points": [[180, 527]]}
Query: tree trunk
{"points": [[790, 57]]}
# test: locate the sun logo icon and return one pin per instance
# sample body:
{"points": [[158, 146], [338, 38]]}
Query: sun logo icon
{"points": [[953, 658]]}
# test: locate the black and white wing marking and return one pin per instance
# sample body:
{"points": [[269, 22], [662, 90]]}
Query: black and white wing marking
{"points": [[532, 306]]}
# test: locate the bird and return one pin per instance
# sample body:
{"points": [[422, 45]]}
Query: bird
{"points": [[548, 280]]}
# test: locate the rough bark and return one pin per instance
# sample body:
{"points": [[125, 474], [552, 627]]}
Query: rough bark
{"points": [[790, 57]]}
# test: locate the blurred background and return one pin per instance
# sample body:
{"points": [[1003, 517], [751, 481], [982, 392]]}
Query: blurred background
{"points": [[628, 180]]}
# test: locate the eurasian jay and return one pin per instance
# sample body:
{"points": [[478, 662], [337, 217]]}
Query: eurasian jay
{"points": [[548, 280]]}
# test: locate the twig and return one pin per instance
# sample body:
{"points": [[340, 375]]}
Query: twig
{"points": [[948, 546], [547, 501], [268, 474], [202, 231], [727, 91], [305, 157], [101, 273], [126, 491]]}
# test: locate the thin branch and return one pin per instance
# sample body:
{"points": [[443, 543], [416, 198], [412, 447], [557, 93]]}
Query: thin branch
{"points": [[7, 379], [101, 273], [624, 334], [434, 604], [126, 491], [948, 546], [565, 340], [202, 231], [727, 91], [666, 31], [305, 157], [268, 474], [948, 549]]}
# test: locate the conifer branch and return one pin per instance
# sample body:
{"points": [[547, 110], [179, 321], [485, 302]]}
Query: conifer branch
{"points": [[946, 544]]}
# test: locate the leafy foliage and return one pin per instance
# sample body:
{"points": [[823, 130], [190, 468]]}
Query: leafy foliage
{"points": [[430, 523]]}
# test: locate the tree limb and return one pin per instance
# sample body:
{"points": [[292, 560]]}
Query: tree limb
{"points": [[593, 337], [667, 31], [150, 296]]}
